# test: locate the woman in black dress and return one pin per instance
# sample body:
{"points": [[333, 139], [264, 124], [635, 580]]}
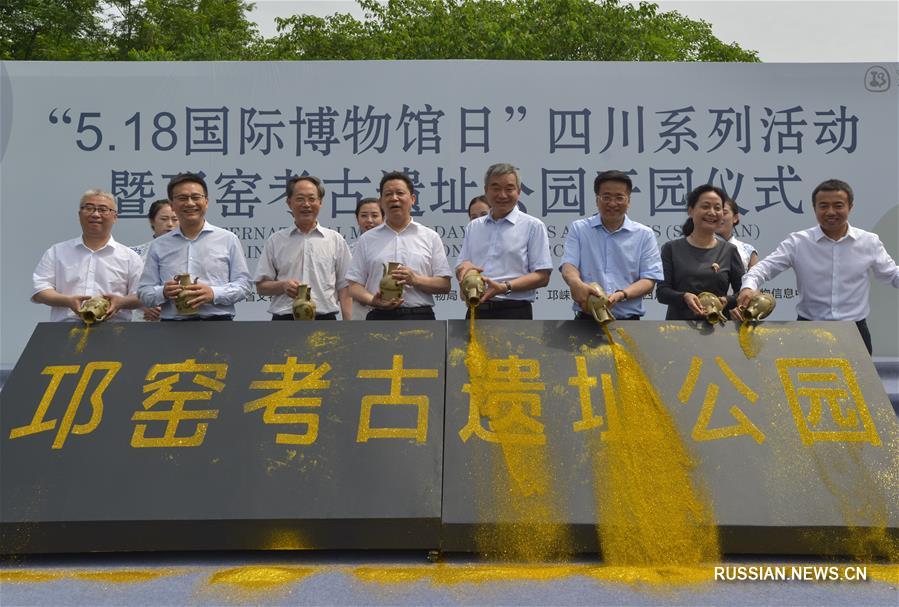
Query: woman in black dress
{"points": [[699, 261]]}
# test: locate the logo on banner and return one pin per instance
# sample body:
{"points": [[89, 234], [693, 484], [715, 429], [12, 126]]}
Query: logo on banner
{"points": [[877, 79]]}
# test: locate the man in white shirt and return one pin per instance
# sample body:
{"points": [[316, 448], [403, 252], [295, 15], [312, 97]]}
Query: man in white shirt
{"points": [[423, 269], [510, 249], [93, 264], [308, 253], [213, 257], [831, 262]]}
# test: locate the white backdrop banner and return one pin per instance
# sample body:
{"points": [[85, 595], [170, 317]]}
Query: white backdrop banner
{"points": [[765, 133]]}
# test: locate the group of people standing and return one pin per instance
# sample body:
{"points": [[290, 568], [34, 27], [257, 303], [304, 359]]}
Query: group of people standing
{"points": [[508, 247]]}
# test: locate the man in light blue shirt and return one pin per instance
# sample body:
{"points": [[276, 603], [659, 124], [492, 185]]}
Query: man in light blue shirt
{"points": [[210, 255], [610, 249], [510, 249]]}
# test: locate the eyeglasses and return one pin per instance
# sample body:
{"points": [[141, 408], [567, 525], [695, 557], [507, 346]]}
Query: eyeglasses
{"points": [[193, 198], [508, 190], [89, 209], [304, 200], [610, 198], [397, 193]]}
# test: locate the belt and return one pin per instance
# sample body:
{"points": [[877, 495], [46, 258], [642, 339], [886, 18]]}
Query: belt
{"points": [[328, 316], [584, 316], [190, 318], [405, 311], [504, 304]]}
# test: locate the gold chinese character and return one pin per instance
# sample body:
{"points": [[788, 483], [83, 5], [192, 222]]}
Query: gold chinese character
{"points": [[57, 373], [162, 392], [396, 376], [508, 400], [701, 430], [590, 420], [851, 421], [287, 386]]}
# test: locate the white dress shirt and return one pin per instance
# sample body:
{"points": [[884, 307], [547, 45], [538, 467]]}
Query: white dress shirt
{"points": [[137, 315], [415, 246], [359, 311], [832, 276], [70, 268], [746, 250], [513, 246], [319, 259], [214, 256]]}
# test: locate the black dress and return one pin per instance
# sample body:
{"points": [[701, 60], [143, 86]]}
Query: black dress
{"points": [[690, 269]]}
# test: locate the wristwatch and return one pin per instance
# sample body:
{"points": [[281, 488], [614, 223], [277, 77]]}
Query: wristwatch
{"points": [[508, 287], [623, 294]]}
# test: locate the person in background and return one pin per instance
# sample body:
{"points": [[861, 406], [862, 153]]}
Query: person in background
{"points": [[162, 221], [368, 216], [831, 262], [730, 218], [699, 261], [478, 207], [73, 271]]}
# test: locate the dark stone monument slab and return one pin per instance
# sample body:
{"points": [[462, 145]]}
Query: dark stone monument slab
{"points": [[794, 440], [335, 435], [245, 435]]}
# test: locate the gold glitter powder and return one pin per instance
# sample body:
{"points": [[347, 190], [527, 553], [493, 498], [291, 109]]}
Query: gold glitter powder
{"points": [[416, 333], [322, 339], [121, 576], [451, 575], [515, 489], [748, 340], [114, 576], [394, 337], [28, 577], [651, 511], [456, 356], [884, 573], [286, 539], [863, 506], [824, 335], [663, 329], [258, 578], [82, 342]]}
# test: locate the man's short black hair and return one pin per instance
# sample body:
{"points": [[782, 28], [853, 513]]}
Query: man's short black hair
{"points": [[619, 176], [396, 175], [186, 178], [833, 185]]}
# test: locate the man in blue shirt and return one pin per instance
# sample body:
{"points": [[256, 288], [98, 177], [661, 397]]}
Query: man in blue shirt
{"points": [[207, 253], [510, 248], [610, 249]]}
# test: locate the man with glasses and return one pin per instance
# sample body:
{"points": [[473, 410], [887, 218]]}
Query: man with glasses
{"points": [[210, 255], [423, 269], [610, 249], [94, 264], [510, 248], [307, 253]]}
